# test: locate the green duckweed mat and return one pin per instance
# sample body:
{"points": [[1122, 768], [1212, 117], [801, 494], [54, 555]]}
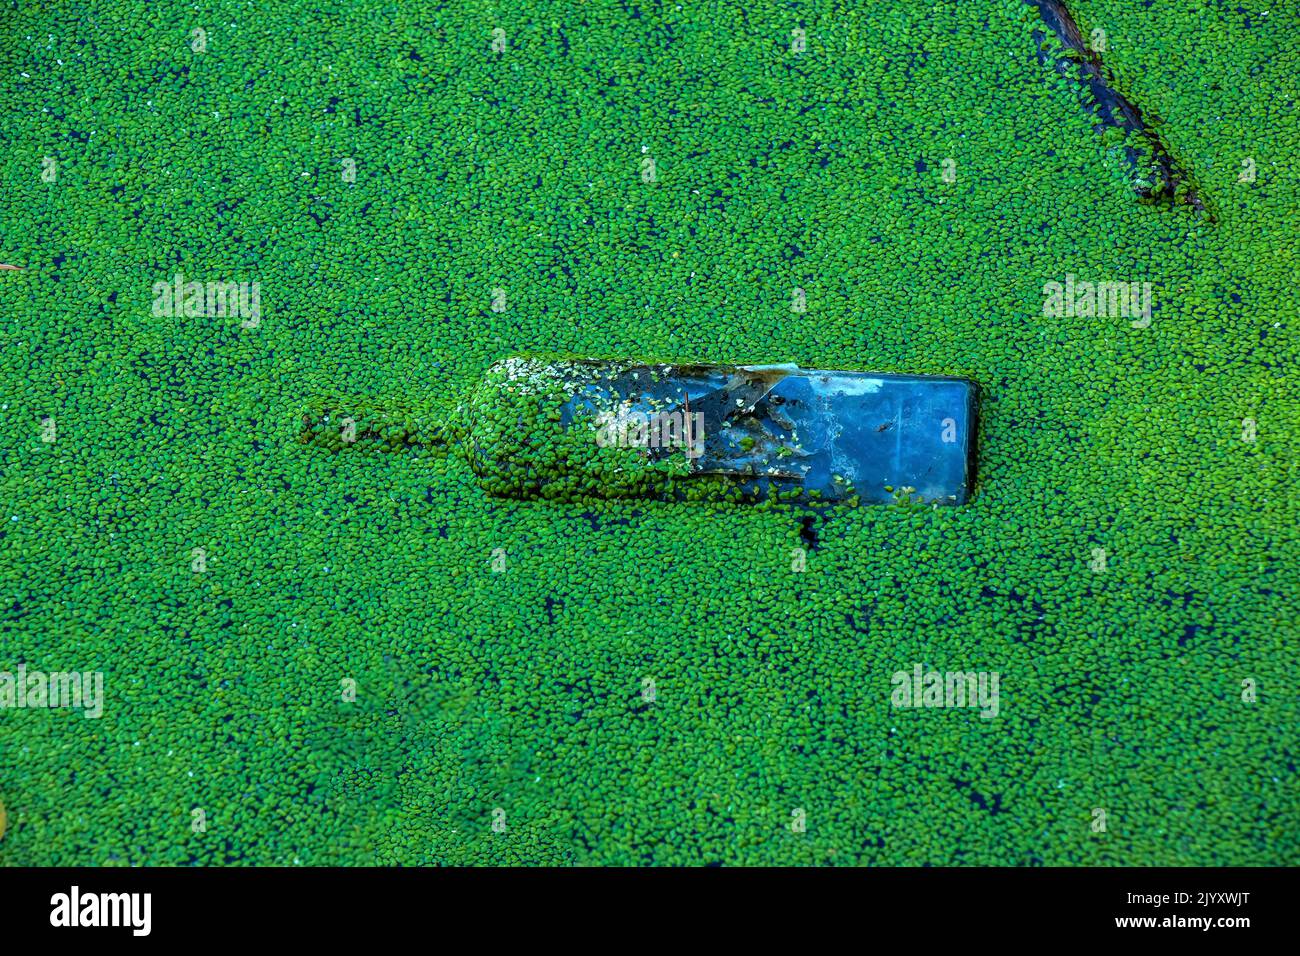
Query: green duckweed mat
{"points": [[352, 656]]}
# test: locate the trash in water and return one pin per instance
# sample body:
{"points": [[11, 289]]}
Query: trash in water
{"points": [[565, 428]]}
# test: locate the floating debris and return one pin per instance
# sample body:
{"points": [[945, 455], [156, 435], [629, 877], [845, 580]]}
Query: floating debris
{"points": [[1149, 168], [568, 428]]}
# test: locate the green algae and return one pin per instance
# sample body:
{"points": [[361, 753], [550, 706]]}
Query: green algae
{"points": [[518, 444], [1129, 563]]}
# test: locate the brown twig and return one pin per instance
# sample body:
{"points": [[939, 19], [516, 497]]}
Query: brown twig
{"points": [[1152, 171]]}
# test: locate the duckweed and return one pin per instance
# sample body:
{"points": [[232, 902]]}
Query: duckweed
{"points": [[313, 656]]}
